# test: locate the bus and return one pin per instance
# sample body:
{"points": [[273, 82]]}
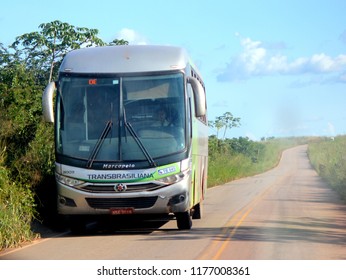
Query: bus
{"points": [[130, 133]]}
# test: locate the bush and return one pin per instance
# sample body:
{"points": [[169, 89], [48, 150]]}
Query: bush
{"points": [[27, 158], [328, 157], [16, 210], [235, 158]]}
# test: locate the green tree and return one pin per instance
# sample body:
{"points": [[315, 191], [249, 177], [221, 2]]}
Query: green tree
{"points": [[118, 42], [4, 55], [20, 109], [229, 121], [217, 124], [45, 49], [226, 121]]}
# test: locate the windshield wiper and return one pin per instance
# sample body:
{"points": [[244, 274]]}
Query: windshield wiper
{"points": [[139, 142], [98, 144]]}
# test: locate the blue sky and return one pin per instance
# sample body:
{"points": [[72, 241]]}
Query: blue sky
{"points": [[278, 65]]}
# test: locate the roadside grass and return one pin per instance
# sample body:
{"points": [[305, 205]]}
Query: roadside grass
{"points": [[16, 210], [328, 157], [227, 166]]}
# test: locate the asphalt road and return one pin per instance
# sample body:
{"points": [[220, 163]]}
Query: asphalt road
{"points": [[286, 213]]}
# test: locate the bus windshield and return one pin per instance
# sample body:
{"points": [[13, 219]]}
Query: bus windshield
{"points": [[112, 119]]}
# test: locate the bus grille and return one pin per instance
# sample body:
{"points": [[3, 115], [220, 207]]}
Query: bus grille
{"points": [[130, 188], [136, 202]]}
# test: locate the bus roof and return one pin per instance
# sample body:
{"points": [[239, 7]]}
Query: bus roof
{"points": [[125, 59]]}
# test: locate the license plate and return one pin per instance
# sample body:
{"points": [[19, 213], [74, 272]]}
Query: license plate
{"points": [[121, 211]]}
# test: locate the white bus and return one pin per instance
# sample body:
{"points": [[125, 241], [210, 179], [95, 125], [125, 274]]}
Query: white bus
{"points": [[130, 133]]}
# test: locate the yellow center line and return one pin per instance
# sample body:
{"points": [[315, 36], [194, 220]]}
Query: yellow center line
{"points": [[231, 234], [233, 224], [215, 243]]}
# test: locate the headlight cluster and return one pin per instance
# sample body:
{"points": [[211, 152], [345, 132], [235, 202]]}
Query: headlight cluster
{"points": [[71, 182], [172, 179]]}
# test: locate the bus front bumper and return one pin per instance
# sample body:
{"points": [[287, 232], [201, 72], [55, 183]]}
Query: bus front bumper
{"points": [[169, 199]]}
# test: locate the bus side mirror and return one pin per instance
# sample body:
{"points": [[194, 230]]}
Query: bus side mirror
{"points": [[47, 102], [199, 96]]}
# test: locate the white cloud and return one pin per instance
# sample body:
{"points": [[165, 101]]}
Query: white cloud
{"points": [[257, 60], [133, 37]]}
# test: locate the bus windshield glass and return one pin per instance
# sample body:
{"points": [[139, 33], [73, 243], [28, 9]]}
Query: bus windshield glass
{"points": [[108, 119]]}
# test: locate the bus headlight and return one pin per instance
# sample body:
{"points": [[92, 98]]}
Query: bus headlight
{"points": [[172, 179], [71, 182]]}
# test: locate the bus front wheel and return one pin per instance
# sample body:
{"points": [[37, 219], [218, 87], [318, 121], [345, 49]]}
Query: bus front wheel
{"points": [[184, 220], [197, 211]]}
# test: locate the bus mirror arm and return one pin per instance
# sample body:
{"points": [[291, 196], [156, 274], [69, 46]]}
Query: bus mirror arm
{"points": [[47, 102], [199, 96]]}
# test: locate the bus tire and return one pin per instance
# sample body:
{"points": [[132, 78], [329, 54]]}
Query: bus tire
{"points": [[184, 220], [197, 211]]}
